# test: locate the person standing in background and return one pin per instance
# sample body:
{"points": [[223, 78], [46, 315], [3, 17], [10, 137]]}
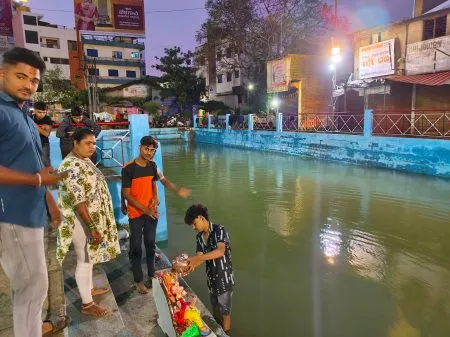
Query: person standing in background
{"points": [[44, 126], [68, 127]]}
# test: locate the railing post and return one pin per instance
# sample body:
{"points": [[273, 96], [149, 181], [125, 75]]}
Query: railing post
{"points": [[209, 121], [279, 122], [194, 120], [250, 122], [368, 123], [227, 121]]}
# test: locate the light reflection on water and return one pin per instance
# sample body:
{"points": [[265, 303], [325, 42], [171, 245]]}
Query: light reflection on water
{"points": [[320, 249]]}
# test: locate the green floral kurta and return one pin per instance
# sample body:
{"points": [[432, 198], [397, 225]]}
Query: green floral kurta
{"points": [[85, 183]]}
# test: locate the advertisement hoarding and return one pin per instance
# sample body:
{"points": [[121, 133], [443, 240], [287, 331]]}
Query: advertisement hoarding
{"points": [[6, 18], [428, 56], [116, 16], [377, 59], [278, 75]]}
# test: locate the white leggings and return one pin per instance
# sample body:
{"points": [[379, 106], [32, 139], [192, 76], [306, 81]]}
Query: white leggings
{"points": [[83, 272]]}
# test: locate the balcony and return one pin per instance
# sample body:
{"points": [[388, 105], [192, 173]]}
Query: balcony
{"points": [[52, 46], [113, 43], [115, 80], [116, 62]]}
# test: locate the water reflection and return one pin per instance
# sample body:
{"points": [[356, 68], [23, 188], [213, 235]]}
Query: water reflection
{"points": [[343, 250]]}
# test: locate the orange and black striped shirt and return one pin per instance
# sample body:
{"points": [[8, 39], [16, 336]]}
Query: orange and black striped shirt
{"points": [[139, 180]]}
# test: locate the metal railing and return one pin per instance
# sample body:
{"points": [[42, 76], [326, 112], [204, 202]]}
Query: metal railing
{"points": [[416, 123], [239, 122], [264, 123], [327, 122], [112, 148]]}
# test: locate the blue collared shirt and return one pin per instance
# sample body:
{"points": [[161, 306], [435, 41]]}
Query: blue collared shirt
{"points": [[20, 150]]}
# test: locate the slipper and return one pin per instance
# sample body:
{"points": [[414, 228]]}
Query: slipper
{"points": [[99, 291], [57, 323]]}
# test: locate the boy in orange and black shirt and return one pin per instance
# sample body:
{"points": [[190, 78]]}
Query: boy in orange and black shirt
{"points": [[139, 189]]}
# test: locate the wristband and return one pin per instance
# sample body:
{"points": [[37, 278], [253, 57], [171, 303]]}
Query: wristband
{"points": [[39, 180]]}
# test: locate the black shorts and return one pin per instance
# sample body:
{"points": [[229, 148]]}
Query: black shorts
{"points": [[222, 302]]}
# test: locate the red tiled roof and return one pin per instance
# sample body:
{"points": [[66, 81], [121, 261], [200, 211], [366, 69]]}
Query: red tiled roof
{"points": [[442, 78]]}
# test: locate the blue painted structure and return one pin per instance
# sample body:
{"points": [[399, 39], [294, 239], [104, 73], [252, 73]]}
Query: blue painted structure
{"points": [[416, 155], [123, 153]]}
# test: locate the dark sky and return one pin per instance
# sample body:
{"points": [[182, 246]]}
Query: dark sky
{"points": [[178, 28]]}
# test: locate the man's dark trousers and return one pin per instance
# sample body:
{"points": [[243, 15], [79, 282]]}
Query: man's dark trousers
{"points": [[142, 226]]}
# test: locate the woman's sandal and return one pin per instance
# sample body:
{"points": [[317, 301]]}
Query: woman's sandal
{"points": [[99, 291], [93, 309], [57, 324]]}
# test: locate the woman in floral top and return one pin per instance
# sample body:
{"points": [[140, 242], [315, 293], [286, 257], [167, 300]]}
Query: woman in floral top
{"points": [[88, 218]]}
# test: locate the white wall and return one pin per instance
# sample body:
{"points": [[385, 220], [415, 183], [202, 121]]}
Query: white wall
{"points": [[62, 34]]}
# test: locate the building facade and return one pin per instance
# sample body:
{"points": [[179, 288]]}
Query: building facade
{"points": [[406, 65], [225, 80], [114, 60], [51, 42]]}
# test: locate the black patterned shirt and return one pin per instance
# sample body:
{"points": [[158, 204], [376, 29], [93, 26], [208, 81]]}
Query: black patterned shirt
{"points": [[219, 271]]}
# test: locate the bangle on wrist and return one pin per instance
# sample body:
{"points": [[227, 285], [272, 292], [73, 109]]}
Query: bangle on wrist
{"points": [[39, 180]]}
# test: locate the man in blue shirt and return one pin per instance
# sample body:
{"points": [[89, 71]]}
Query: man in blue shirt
{"points": [[24, 200]]}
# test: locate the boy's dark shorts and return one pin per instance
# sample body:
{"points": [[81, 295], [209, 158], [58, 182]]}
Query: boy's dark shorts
{"points": [[222, 302]]}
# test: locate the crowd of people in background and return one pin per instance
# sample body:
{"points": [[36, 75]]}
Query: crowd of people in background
{"points": [[83, 215]]}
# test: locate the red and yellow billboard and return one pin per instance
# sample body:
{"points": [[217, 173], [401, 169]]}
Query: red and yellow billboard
{"points": [[118, 16], [5, 18]]}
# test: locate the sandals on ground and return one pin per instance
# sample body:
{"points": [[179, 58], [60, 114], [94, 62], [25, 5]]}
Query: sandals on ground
{"points": [[57, 323], [93, 309]]}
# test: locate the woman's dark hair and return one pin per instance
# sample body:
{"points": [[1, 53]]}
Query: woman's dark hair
{"points": [[149, 141], [23, 55], [195, 211], [81, 133]]}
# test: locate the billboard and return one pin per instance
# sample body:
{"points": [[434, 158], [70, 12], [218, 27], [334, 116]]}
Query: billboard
{"points": [[377, 59], [428, 56], [116, 16], [6, 18], [278, 75]]}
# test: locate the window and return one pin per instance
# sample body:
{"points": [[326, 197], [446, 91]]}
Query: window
{"points": [[236, 74], [92, 52], [54, 60], [131, 73], [113, 72], [135, 55], [219, 78], [117, 55], [45, 58], [229, 77], [64, 61], [375, 38], [29, 20], [434, 28], [52, 43], [31, 37], [72, 45]]}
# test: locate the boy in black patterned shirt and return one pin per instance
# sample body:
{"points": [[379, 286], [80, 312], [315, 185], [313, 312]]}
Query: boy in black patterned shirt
{"points": [[213, 248]]}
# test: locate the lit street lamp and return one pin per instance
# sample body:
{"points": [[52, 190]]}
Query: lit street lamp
{"points": [[275, 103], [250, 87]]}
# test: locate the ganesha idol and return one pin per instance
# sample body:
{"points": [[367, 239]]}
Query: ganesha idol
{"points": [[186, 316]]}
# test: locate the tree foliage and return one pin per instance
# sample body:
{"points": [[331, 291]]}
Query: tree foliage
{"points": [[57, 89], [178, 77], [258, 31]]}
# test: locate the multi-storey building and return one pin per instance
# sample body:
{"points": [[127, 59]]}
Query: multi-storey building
{"points": [[225, 81], [406, 64], [51, 42], [117, 59]]}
